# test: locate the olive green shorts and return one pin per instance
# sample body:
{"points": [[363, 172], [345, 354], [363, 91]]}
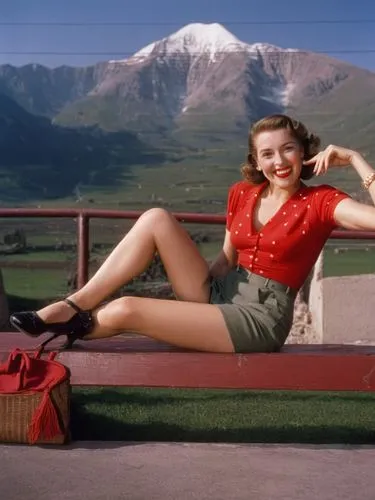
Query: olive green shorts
{"points": [[258, 311]]}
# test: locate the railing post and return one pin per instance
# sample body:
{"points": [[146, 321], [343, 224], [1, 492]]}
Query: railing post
{"points": [[83, 250]]}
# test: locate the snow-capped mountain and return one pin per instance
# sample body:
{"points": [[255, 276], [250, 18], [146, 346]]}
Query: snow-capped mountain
{"points": [[199, 78], [196, 40]]}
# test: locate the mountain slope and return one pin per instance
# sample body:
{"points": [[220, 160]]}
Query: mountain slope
{"points": [[203, 83], [44, 91], [39, 160], [201, 86]]}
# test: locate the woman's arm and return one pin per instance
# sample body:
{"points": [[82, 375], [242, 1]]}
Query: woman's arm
{"points": [[349, 213], [226, 259]]}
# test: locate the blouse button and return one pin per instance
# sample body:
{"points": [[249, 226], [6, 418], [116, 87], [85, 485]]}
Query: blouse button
{"points": [[274, 243], [260, 272]]}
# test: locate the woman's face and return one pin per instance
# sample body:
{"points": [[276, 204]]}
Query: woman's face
{"points": [[279, 156]]}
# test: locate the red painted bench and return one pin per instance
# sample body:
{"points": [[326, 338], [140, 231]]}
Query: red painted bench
{"points": [[130, 360]]}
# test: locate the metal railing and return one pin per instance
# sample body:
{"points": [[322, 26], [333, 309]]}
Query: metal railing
{"points": [[83, 216]]}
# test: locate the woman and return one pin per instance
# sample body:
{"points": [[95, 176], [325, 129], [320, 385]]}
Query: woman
{"points": [[276, 228]]}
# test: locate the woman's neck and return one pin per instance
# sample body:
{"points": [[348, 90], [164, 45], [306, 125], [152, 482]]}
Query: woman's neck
{"points": [[280, 194]]}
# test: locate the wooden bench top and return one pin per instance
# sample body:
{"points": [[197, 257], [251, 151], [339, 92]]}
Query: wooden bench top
{"points": [[133, 360]]}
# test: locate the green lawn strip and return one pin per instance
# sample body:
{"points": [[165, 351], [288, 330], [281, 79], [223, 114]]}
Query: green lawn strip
{"points": [[354, 261], [222, 416], [35, 283]]}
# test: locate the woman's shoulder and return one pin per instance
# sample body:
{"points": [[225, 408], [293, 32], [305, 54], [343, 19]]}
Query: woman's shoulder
{"points": [[323, 189], [242, 187]]}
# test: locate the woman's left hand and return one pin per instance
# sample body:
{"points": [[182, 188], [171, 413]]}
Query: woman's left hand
{"points": [[331, 156]]}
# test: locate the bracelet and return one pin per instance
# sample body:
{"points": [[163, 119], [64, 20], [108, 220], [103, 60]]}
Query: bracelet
{"points": [[368, 181]]}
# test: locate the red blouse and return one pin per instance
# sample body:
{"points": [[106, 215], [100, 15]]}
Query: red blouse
{"points": [[287, 246]]}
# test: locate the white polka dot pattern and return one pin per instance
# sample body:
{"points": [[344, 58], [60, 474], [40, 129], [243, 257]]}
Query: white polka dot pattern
{"points": [[288, 244]]}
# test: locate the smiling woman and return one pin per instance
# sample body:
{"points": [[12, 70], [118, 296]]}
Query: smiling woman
{"points": [[276, 228], [279, 135]]}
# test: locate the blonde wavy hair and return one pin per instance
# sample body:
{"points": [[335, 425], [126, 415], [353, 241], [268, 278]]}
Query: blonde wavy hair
{"points": [[309, 142]]}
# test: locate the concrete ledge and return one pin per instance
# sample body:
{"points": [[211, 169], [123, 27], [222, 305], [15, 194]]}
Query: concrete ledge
{"points": [[348, 308]]}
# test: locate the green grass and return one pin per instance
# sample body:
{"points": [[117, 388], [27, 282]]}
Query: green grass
{"points": [[222, 416], [38, 256], [40, 284], [355, 260]]}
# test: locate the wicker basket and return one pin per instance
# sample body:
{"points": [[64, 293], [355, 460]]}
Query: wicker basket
{"points": [[17, 410]]}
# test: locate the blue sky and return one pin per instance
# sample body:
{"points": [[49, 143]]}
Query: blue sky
{"points": [[143, 21]]}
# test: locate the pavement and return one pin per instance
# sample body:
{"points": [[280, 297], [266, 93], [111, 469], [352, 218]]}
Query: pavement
{"points": [[179, 471]]}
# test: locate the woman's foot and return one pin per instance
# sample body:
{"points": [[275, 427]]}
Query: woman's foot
{"points": [[57, 318], [58, 312]]}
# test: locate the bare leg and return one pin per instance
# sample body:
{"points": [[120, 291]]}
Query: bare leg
{"points": [[156, 230], [185, 324]]}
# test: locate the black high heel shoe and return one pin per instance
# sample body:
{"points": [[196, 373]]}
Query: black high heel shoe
{"points": [[77, 327]]}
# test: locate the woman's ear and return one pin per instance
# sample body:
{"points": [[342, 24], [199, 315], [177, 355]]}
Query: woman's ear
{"points": [[255, 162]]}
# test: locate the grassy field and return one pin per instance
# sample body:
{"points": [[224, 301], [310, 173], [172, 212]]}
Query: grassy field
{"points": [[40, 284], [199, 182]]}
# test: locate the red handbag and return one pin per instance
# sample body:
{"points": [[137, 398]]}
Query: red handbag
{"points": [[34, 399]]}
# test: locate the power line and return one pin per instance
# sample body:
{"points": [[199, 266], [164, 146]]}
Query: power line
{"points": [[179, 23], [114, 53]]}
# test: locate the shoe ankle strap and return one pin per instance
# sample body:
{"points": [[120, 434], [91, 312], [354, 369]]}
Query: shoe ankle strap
{"points": [[73, 305]]}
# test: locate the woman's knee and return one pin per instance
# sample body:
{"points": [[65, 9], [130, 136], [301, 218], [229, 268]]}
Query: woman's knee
{"points": [[120, 313], [156, 215]]}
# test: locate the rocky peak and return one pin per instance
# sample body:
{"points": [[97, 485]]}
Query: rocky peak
{"points": [[199, 39]]}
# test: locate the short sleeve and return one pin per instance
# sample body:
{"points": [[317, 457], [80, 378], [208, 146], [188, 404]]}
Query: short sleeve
{"points": [[231, 206], [235, 195], [326, 200]]}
